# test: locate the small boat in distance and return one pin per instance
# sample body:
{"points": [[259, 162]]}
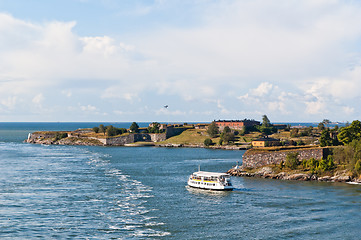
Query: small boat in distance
{"points": [[210, 181]]}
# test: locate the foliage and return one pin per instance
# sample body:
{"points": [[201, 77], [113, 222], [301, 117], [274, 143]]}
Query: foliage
{"points": [[352, 132], [95, 129], [325, 138], [113, 131], [321, 126], [213, 130], [227, 136], [294, 132], [292, 160], [326, 122], [319, 166], [208, 142], [226, 129], [266, 128], [155, 128], [358, 166], [311, 163], [281, 164], [134, 127], [265, 121], [349, 156], [102, 129], [59, 136]]}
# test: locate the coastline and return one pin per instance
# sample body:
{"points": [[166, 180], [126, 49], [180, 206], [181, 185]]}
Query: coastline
{"points": [[268, 173], [94, 142]]}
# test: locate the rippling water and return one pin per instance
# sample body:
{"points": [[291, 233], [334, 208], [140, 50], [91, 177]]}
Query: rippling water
{"points": [[80, 192]]}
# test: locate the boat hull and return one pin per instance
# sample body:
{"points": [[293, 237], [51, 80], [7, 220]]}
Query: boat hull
{"points": [[217, 187]]}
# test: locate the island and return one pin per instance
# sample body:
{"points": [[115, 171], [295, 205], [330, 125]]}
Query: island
{"points": [[275, 151]]}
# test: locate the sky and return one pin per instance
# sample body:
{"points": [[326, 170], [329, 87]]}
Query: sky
{"points": [[123, 61]]}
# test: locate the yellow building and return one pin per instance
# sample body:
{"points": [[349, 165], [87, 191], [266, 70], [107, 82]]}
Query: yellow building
{"points": [[266, 142]]}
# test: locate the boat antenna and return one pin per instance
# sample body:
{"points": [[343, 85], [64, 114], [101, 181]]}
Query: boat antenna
{"points": [[199, 168]]}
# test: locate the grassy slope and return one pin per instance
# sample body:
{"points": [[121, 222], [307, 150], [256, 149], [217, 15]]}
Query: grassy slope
{"points": [[190, 136]]}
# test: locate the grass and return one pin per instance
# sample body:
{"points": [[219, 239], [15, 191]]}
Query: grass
{"points": [[190, 136]]}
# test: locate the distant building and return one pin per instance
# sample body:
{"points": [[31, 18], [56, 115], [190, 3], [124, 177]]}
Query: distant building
{"points": [[280, 126], [266, 142], [236, 124]]}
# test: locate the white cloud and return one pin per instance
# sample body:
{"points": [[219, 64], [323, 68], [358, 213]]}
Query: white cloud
{"points": [[263, 89], [348, 110], [88, 108], [288, 58], [9, 102], [38, 98]]}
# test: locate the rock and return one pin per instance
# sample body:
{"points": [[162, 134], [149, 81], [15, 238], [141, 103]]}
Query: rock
{"points": [[299, 176], [324, 179], [264, 171], [271, 176], [314, 178], [281, 175], [341, 178]]}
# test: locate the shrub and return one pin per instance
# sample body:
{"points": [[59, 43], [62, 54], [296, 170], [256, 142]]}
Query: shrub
{"points": [[208, 142], [96, 129], [358, 166], [59, 136], [292, 160], [134, 127], [213, 130]]}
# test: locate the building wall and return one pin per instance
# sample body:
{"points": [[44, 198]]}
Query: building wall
{"points": [[265, 143], [258, 144], [235, 124]]}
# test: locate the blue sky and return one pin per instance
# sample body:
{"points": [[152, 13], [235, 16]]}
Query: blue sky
{"points": [[109, 60]]}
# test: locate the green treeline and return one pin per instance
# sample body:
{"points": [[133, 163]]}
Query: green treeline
{"points": [[111, 131]]}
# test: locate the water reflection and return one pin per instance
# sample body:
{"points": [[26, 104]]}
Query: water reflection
{"points": [[205, 192]]}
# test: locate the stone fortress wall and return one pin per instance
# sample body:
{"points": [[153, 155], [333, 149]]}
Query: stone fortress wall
{"points": [[255, 159]]}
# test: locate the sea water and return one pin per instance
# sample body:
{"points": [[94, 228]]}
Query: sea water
{"points": [[80, 192]]}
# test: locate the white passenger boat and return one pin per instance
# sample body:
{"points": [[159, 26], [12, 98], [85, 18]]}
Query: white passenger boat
{"points": [[210, 180]]}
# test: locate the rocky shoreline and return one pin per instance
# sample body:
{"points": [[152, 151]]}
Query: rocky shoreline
{"points": [[84, 141], [267, 172]]}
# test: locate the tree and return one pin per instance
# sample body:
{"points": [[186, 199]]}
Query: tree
{"points": [[111, 131], [292, 160], [213, 130], [265, 121], [227, 135], [227, 129], [102, 129], [96, 129], [154, 128], [321, 126], [352, 132], [134, 127], [208, 142], [326, 122], [266, 128], [325, 138]]}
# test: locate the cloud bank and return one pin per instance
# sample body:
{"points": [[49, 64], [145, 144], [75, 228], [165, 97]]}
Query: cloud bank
{"points": [[291, 60]]}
